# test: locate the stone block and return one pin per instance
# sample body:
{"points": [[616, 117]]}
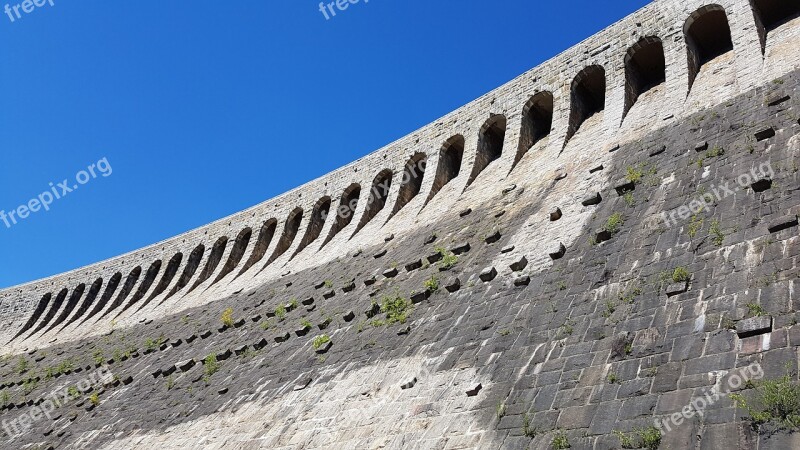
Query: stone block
{"points": [[754, 326]]}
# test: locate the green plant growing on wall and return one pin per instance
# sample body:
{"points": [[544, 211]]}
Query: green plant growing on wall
{"points": [[95, 399], [528, 430], [560, 440], [280, 312], [449, 259], [756, 310], [431, 284], [648, 438], [695, 225], [680, 275], [396, 309], [305, 323], [774, 402], [319, 341], [630, 200], [717, 235], [227, 317], [22, 365], [614, 223], [211, 365]]}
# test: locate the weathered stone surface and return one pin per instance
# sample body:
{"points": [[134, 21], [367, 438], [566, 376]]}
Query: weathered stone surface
{"points": [[754, 326]]}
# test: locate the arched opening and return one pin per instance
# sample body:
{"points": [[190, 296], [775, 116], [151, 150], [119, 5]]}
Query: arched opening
{"points": [[449, 165], [289, 233], [262, 244], [113, 283], [169, 274], [587, 97], [91, 296], [645, 68], [217, 252], [345, 211], [490, 145], [708, 36], [195, 258], [130, 283], [69, 307], [537, 121], [37, 313], [318, 217], [147, 282], [411, 184], [51, 313], [237, 253], [378, 195], [770, 14]]}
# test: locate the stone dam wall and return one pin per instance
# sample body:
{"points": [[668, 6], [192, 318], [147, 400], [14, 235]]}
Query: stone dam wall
{"points": [[586, 250]]}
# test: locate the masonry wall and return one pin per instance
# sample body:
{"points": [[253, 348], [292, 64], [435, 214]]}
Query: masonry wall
{"points": [[524, 312]]}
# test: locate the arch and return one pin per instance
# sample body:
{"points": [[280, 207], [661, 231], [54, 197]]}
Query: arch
{"points": [[130, 282], [587, 97], [770, 14], [169, 274], [290, 230], [262, 244], [377, 198], [411, 184], [37, 313], [237, 253], [147, 282], [111, 287], [54, 307], [450, 157], [490, 145], [195, 258], [69, 307], [537, 121], [645, 68], [708, 36], [318, 217], [91, 296], [214, 258], [345, 211]]}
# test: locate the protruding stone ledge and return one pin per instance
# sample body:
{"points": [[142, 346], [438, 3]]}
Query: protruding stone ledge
{"points": [[453, 285], [390, 273], [488, 274], [555, 214], [461, 248], [522, 281], [765, 134], [701, 146], [184, 366], [519, 264], [557, 251], [782, 223], [282, 338], [677, 288], [474, 389], [492, 238], [409, 384], [624, 186], [592, 199], [754, 326], [761, 185], [412, 266]]}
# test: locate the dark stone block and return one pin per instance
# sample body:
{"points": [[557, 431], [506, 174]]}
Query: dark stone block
{"points": [[184, 366], [380, 254], [519, 265], [465, 212], [488, 274], [282, 338], [624, 186], [555, 214], [761, 185], [474, 389], [508, 249], [239, 351], [557, 251], [677, 288], [701, 146], [522, 281], [349, 316], [390, 273], [461, 248], [782, 223], [328, 295], [412, 266], [300, 332], [453, 285], [372, 311], [419, 297], [754, 326], [765, 134], [494, 237], [324, 348], [224, 355], [592, 199], [349, 287], [596, 169], [658, 150]]}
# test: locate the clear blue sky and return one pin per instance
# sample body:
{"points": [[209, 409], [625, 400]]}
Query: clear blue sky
{"points": [[204, 108]]}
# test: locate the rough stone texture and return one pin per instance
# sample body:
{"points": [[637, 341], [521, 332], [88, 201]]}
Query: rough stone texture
{"points": [[583, 343]]}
